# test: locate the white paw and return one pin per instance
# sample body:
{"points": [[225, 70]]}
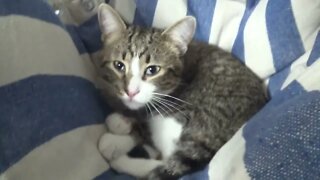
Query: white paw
{"points": [[119, 124], [112, 146]]}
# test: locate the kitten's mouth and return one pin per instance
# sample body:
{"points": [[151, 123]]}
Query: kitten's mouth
{"points": [[132, 104]]}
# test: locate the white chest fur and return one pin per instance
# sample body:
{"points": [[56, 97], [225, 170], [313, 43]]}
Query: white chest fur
{"points": [[165, 132]]}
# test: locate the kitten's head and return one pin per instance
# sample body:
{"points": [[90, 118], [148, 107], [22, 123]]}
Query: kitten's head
{"points": [[139, 64]]}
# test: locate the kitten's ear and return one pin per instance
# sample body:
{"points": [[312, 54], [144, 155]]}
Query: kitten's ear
{"points": [[111, 24], [181, 33]]}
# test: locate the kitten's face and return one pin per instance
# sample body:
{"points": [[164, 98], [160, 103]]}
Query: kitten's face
{"points": [[139, 65]]}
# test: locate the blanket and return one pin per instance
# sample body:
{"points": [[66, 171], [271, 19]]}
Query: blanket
{"points": [[52, 115]]}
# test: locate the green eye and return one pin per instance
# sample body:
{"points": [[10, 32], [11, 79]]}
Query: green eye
{"points": [[152, 70], [119, 66]]}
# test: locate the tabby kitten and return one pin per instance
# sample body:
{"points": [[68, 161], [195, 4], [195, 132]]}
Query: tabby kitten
{"points": [[197, 95]]}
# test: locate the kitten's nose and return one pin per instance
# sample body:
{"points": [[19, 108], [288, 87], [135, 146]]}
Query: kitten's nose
{"points": [[132, 93]]}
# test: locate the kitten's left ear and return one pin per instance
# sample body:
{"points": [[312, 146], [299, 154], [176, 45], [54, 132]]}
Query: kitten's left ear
{"points": [[111, 24], [181, 33]]}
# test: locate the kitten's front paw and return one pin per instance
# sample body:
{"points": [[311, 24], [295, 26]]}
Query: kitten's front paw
{"points": [[108, 146], [113, 146], [119, 124]]}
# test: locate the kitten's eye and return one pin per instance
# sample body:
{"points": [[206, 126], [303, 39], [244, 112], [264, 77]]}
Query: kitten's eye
{"points": [[152, 70], [119, 66]]}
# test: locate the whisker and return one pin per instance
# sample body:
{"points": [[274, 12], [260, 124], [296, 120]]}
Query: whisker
{"points": [[166, 95], [179, 110], [159, 100], [150, 110], [171, 102], [156, 109], [157, 103]]}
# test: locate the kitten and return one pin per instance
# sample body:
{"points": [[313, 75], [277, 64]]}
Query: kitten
{"points": [[197, 95]]}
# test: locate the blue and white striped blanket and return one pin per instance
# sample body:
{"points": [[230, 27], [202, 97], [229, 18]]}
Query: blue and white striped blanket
{"points": [[51, 114]]}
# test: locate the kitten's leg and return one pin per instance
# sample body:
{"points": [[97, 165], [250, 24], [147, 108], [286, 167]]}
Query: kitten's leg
{"points": [[189, 157], [112, 146], [137, 167]]}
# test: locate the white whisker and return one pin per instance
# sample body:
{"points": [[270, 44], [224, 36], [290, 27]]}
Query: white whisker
{"points": [[169, 104], [172, 98], [156, 109], [157, 103], [150, 110], [159, 100]]}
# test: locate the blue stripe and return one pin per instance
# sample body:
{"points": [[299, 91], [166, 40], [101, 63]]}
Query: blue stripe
{"points": [[285, 41], [284, 37], [238, 46], [315, 53], [87, 36], [276, 81], [203, 11], [144, 12], [72, 30], [38, 9], [110, 174], [37, 109], [90, 34]]}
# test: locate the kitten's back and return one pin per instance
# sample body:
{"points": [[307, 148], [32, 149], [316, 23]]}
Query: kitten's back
{"points": [[223, 92]]}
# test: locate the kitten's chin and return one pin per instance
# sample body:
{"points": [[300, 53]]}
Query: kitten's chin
{"points": [[133, 105]]}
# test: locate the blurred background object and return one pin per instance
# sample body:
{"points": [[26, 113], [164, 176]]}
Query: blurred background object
{"points": [[75, 12]]}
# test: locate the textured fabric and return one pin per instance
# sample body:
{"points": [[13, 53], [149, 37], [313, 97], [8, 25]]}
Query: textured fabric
{"points": [[51, 115], [286, 144]]}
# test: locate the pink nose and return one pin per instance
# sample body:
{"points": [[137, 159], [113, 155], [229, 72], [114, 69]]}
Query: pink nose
{"points": [[131, 94]]}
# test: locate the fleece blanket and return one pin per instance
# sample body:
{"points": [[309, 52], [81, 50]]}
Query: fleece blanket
{"points": [[52, 115]]}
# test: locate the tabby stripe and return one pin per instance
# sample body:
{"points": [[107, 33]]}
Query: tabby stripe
{"points": [[136, 33], [130, 35], [131, 51], [124, 54], [148, 58], [223, 112], [143, 51], [151, 36]]}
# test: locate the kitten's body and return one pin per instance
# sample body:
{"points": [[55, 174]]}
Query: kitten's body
{"points": [[198, 101]]}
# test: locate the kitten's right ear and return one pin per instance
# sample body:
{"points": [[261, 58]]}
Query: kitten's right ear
{"points": [[181, 33], [111, 24]]}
